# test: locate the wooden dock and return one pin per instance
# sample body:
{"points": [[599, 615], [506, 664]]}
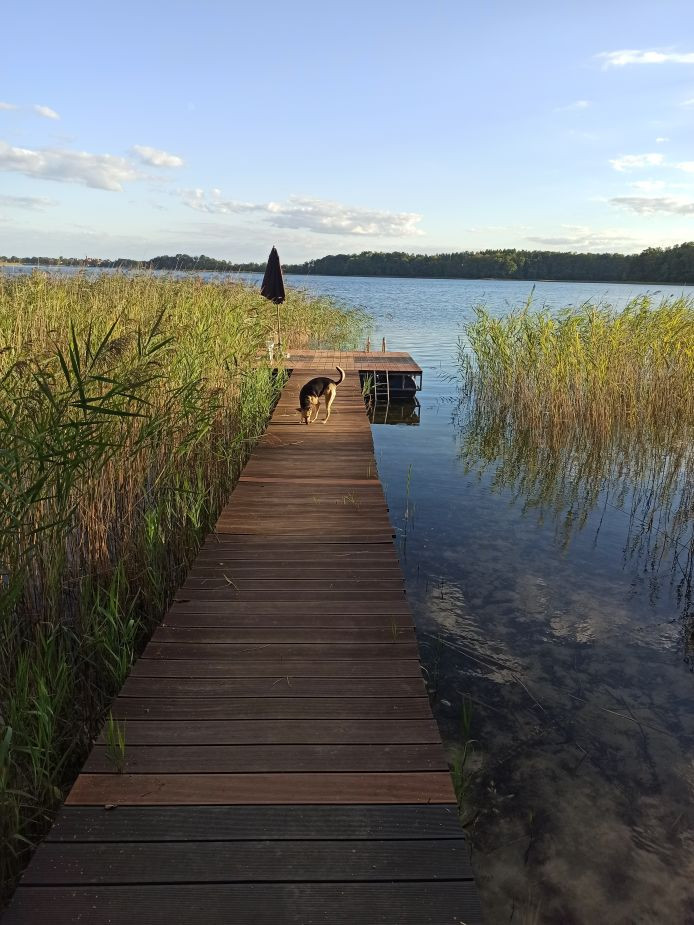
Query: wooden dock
{"points": [[282, 764]]}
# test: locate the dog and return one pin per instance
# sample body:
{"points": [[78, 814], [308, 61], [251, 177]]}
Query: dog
{"points": [[313, 391]]}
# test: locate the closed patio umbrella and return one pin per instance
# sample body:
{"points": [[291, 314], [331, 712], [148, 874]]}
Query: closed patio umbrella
{"points": [[272, 287]]}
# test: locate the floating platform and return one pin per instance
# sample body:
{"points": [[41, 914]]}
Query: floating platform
{"points": [[386, 375], [282, 765]]}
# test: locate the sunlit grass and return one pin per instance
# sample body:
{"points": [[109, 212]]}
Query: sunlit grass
{"points": [[128, 406]]}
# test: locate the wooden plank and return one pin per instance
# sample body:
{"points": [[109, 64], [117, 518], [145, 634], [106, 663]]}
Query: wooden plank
{"points": [[261, 789], [244, 823], [267, 759], [249, 862], [269, 608], [279, 732], [197, 708], [403, 903], [292, 618], [224, 582], [220, 570], [253, 650], [284, 634], [292, 668], [281, 685]]}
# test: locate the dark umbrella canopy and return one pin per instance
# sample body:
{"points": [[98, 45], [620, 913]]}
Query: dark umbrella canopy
{"points": [[272, 286]]}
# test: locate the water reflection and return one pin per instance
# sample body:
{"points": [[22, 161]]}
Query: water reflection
{"points": [[573, 477], [403, 411], [580, 799]]}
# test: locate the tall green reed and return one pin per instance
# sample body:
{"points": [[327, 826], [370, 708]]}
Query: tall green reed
{"points": [[591, 365], [128, 406]]}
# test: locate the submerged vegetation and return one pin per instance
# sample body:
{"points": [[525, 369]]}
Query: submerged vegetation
{"points": [[128, 406], [588, 409]]}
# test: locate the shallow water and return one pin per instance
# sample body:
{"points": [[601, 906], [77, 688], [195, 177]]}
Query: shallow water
{"points": [[551, 611], [544, 604]]}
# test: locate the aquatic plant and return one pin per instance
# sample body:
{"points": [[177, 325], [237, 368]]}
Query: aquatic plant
{"points": [[586, 410], [591, 365]]}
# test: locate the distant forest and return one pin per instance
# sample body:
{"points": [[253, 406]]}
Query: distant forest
{"points": [[653, 265]]}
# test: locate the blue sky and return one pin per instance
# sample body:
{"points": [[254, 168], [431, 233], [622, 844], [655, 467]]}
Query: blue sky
{"points": [[223, 128]]}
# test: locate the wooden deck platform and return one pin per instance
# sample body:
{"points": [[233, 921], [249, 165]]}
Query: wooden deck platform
{"points": [[282, 764], [391, 361]]}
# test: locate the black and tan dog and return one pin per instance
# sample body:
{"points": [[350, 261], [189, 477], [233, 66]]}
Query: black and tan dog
{"points": [[313, 391]]}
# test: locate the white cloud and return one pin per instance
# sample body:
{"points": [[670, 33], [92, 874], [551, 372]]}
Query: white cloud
{"points": [[316, 215], [99, 171], [648, 205], [582, 238], [687, 166], [157, 158], [638, 56], [635, 161], [660, 140], [648, 186], [8, 106], [575, 106], [34, 203], [46, 112], [687, 102]]}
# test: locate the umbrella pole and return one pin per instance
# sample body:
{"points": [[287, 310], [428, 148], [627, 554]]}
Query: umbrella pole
{"points": [[279, 332]]}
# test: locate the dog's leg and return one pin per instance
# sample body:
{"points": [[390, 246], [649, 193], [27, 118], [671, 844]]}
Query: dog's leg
{"points": [[315, 407], [329, 399]]}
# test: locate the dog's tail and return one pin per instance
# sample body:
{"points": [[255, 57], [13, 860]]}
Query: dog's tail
{"points": [[342, 374]]}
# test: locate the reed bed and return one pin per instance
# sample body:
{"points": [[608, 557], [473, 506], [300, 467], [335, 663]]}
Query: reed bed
{"points": [[128, 406], [590, 365], [587, 409]]}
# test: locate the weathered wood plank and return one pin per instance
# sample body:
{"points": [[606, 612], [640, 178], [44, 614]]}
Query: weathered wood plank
{"points": [[267, 759], [285, 635], [243, 823], [279, 668], [249, 861], [282, 685], [261, 789], [279, 732], [258, 708], [255, 650], [416, 903]]}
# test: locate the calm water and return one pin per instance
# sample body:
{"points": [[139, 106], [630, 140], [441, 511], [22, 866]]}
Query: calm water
{"points": [[541, 602], [548, 592]]}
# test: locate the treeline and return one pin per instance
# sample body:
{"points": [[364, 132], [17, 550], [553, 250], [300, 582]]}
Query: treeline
{"points": [[165, 262], [655, 264]]}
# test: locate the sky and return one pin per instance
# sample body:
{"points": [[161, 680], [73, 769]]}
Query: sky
{"points": [[138, 129]]}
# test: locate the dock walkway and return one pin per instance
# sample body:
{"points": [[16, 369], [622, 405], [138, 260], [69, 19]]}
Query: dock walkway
{"points": [[282, 764]]}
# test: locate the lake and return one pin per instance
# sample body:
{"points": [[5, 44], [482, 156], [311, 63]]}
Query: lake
{"points": [[551, 589], [558, 613]]}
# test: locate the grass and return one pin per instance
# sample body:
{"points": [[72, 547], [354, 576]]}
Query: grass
{"points": [[464, 750], [592, 365], [128, 406], [115, 743]]}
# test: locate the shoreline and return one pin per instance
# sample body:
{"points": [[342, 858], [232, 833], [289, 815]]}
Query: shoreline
{"points": [[458, 279]]}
